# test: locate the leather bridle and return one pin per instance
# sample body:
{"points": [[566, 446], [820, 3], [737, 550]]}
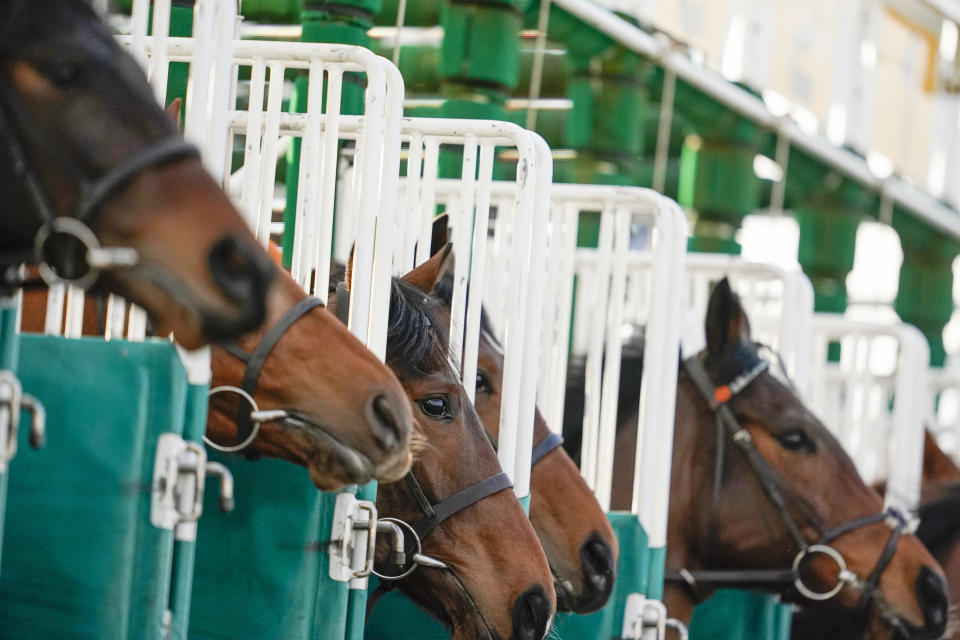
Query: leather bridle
{"points": [[92, 195], [250, 418], [743, 367], [433, 514]]}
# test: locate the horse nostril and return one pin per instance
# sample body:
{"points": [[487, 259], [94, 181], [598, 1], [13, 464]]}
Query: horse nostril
{"points": [[243, 272], [384, 423], [531, 614], [596, 560], [932, 596], [238, 268]]}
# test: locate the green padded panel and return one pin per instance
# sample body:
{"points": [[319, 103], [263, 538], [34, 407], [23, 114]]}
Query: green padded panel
{"points": [[81, 553], [396, 617], [733, 614], [632, 576], [261, 571]]}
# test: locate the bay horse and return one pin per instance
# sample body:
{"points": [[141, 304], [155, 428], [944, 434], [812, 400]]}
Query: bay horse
{"points": [[100, 189], [321, 399], [763, 496], [939, 531], [574, 531], [485, 575]]}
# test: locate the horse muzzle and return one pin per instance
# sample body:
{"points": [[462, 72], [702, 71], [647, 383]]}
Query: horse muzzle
{"points": [[243, 274]]}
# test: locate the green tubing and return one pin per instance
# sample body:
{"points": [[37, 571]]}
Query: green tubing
{"points": [[828, 234], [717, 182], [480, 46], [925, 294]]}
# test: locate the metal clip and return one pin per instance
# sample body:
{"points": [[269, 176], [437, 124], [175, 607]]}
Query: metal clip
{"points": [[353, 536], [644, 619], [11, 398], [679, 627], [38, 420], [179, 477]]}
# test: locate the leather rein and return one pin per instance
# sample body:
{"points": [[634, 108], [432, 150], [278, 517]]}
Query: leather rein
{"points": [[788, 581]]}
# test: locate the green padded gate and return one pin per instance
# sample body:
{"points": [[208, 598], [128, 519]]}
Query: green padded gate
{"points": [[81, 555], [261, 571], [395, 617], [733, 614], [633, 576]]}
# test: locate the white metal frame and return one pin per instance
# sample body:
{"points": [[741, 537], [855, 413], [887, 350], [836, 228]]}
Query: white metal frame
{"points": [[853, 398], [778, 302], [605, 296], [523, 203]]}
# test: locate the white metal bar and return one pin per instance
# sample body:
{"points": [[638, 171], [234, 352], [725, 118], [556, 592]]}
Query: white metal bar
{"points": [[477, 270], [462, 221]]}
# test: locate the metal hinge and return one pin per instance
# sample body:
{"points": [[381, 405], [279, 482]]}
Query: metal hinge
{"points": [[12, 401], [353, 538], [644, 619], [179, 475]]}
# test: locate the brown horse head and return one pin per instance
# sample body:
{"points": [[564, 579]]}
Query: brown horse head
{"points": [[730, 521], [573, 530], [78, 115], [496, 583], [346, 418]]}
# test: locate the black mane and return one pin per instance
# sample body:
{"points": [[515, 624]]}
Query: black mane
{"points": [[631, 377], [414, 345]]}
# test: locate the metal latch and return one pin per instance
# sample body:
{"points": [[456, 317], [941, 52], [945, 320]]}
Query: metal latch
{"points": [[179, 475], [12, 401], [353, 538], [644, 619]]}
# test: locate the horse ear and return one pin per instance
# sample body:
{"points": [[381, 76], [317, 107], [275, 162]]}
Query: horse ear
{"points": [[441, 233], [727, 325], [426, 276], [173, 111]]}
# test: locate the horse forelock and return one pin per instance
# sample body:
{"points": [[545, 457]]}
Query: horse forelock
{"points": [[414, 345]]}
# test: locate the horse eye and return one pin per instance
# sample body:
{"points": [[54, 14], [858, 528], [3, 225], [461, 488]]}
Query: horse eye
{"points": [[483, 383], [795, 440], [436, 407], [64, 74]]}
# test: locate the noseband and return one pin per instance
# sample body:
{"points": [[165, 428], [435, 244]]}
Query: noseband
{"points": [[743, 367], [92, 195], [249, 419]]}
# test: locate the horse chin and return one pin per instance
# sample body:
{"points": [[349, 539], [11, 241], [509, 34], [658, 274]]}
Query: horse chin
{"points": [[565, 594], [332, 465], [457, 611]]}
